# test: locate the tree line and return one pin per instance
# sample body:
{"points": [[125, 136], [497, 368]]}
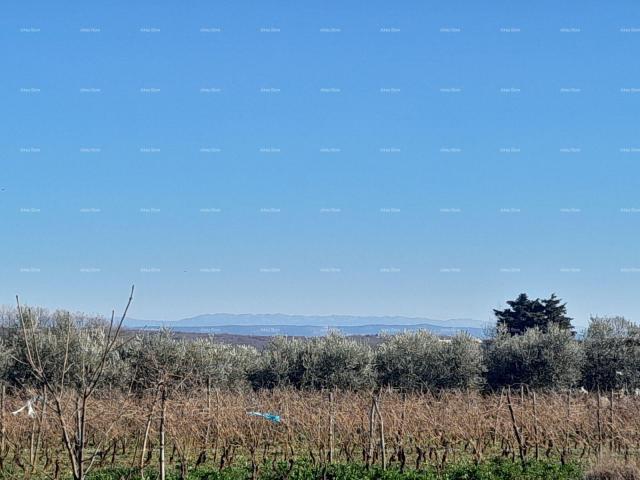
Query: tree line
{"points": [[533, 343]]}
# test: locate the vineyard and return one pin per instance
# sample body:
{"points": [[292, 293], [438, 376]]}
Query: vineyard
{"points": [[82, 400], [387, 430]]}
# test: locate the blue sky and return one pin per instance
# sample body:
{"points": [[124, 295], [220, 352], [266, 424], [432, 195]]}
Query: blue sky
{"points": [[382, 158]]}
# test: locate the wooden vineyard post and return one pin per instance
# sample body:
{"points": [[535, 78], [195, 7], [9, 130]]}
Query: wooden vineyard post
{"points": [[535, 426], [383, 452], [163, 411], [372, 426], [516, 431], [331, 425]]}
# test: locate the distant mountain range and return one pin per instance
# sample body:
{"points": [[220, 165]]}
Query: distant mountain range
{"points": [[309, 325]]}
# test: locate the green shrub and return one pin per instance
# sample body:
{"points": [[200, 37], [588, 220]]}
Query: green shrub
{"points": [[335, 361], [612, 354], [420, 360], [543, 360], [322, 362], [499, 469]]}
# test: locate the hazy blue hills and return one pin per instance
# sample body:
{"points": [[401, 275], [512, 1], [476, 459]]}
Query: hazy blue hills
{"points": [[308, 325]]}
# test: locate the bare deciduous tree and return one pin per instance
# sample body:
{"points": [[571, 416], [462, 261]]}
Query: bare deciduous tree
{"points": [[71, 386]]}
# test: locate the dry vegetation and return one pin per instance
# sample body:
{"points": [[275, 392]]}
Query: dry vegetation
{"points": [[388, 429], [80, 400]]}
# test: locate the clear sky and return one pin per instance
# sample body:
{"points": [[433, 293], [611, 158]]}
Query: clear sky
{"points": [[423, 158]]}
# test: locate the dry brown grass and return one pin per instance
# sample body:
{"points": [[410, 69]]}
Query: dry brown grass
{"points": [[419, 429], [612, 470]]}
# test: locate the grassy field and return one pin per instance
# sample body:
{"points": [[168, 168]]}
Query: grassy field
{"points": [[490, 470]]}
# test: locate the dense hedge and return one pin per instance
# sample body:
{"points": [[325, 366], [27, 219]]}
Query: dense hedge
{"points": [[607, 357]]}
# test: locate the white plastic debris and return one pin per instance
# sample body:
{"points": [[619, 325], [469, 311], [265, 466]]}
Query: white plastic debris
{"points": [[31, 413]]}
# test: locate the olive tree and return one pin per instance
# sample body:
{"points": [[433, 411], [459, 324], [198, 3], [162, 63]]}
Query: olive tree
{"points": [[6, 360], [279, 364], [420, 360], [219, 365], [335, 361], [611, 354], [550, 359], [157, 358]]}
